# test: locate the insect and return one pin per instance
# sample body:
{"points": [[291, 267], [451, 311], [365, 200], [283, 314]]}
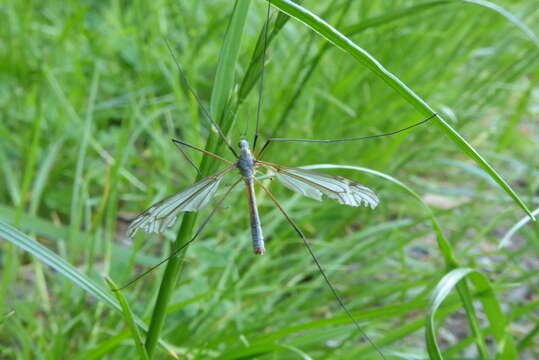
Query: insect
{"points": [[248, 161], [309, 183]]}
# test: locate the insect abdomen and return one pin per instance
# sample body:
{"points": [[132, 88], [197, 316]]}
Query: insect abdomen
{"points": [[256, 228]]}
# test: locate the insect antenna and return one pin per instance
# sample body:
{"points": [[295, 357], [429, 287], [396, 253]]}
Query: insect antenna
{"points": [[199, 101], [271, 140], [261, 87], [321, 269], [177, 251]]}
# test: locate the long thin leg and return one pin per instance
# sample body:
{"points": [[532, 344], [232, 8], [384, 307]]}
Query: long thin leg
{"points": [[183, 143], [260, 93], [269, 141], [319, 266], [204, 110], [195, 236], [188, 158]]}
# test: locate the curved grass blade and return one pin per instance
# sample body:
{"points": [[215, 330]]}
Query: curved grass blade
{"points": [[497, 320], [64, 268], [129, 318], [507, 237], [338, 39], [297, 351], [506, 14]]}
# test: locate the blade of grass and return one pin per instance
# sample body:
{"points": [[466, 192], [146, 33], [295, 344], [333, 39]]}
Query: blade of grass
{"points": [[11, 181], [129, 318], [507, 237], [338, 39], [6, 316], [224, 82], [491, 306], [506, 14], [37, 189], [43, 173], [527, 341], [29, 169], [76, 206], [64, 268], [510, 128], [224, 78]]}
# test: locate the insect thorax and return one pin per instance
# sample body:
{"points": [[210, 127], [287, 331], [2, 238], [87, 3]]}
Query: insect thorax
{"points": [[246, 161]]}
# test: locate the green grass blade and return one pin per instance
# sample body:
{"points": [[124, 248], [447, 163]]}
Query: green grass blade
{"points": [[45, 168], [224, 78], [11, 181], [338, 39], [129, 318], [509, 234], [506, 14], [6, 316], [224, 81], [473, 321], [390, 17], [528, 340], [491, 306], [29, 170], [86, 130], [509, 133], [65, 269]]}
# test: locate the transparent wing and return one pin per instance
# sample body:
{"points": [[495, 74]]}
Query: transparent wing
{"points": [[314, 184], [163, 214]]}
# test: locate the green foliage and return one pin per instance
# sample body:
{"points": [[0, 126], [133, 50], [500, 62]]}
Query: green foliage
{"points": [[90, 98]]}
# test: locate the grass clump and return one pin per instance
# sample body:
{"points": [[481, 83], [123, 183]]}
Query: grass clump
{"points": [[90, 98]]}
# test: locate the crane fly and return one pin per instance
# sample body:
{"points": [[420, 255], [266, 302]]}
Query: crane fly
{"points": [[195, 197], [316, 185]]}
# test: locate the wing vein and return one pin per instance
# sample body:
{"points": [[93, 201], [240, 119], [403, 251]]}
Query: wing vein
{"points": [[315, 184], [163, 214]]}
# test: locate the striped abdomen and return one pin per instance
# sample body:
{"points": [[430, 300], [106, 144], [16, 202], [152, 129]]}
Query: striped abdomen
{"points": [[256, 228]]}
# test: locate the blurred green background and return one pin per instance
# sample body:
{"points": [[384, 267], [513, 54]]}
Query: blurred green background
{"points": [[90, 98]]}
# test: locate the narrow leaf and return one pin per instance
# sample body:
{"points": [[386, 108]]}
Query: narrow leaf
{"points": [[129, 318], [507, 237], [497, 320]]}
